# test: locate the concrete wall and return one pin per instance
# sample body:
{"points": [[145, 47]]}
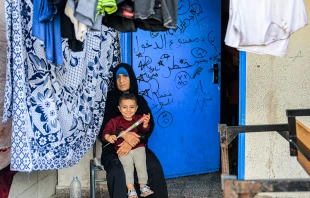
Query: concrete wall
{"points": [[81, 170], [273, 85]]}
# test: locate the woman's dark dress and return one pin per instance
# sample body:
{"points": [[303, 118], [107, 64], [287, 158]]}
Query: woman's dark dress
{"points": [[112, 165]]}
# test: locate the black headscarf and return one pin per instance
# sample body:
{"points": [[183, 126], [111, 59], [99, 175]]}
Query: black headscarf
{"points": [[111, 106]]}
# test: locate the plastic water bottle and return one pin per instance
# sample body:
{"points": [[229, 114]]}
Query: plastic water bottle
{"points": [[75, 188]]}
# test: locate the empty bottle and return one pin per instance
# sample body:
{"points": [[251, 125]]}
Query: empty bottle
{"points": [[75, 188]]}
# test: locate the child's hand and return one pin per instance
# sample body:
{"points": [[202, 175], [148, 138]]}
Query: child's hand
{"points": [[146, 120], [110, 138]]}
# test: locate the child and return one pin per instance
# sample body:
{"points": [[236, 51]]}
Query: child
{"points": [[136, 157]]}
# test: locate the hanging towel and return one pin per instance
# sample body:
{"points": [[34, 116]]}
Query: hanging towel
{"points": [[46, 27], [56, 111]]}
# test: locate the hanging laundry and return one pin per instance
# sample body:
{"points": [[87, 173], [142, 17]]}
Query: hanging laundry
{"points": [[145, 10], [46, 27], [264, 26], [153, 19], [56, 111], [86, 13], [108, 6], [67, 27], [170, 13], [79, 27], [123, 19], [153, 15]]}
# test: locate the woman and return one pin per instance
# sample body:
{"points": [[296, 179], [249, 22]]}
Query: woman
{"points": [[125, 80]]}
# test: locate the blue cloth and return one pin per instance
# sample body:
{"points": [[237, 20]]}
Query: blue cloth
{"points": [[121, 70], [56, 111], [46, 27]]}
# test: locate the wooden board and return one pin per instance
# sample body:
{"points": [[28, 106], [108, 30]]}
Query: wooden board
{"points": [[303, 135]]}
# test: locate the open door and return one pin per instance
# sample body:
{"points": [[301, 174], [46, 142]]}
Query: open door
{"points": [[178, 74]]}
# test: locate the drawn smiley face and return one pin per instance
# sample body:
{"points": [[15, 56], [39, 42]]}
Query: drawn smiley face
{"points": [[165, 119], [183, 7], [199, 52], [182, 79]]}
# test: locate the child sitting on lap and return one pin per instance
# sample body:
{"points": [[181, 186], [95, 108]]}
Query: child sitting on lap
{"points": [[136, 157]]}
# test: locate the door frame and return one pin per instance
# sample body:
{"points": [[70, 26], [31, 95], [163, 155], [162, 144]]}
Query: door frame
{"points": [[126, 43], [242, 114]]}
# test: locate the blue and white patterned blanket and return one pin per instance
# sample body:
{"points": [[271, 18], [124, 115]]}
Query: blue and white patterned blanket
{"points": [[56, 110]]}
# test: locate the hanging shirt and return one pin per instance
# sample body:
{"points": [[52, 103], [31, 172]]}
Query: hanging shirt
{"points": [[56, 111], [86, 13], [264, 26]]}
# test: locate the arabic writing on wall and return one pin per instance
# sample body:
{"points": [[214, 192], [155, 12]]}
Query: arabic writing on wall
{"points": [[172, 67]]}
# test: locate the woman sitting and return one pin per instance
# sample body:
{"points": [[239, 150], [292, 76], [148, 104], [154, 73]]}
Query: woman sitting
{"points": [[125, 81]]}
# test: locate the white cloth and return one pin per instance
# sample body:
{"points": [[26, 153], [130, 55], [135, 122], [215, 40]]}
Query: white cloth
{"points": [[264, 26], [79, 28]]}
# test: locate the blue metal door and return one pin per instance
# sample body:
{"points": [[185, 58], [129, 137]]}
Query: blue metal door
{"points": [[176, 76]]}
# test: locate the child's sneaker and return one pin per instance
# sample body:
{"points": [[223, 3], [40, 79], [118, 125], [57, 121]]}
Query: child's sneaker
{"points": [[145, 191], [132, 193]]}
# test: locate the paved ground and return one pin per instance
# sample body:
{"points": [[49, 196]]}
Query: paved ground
{"points": [[198, 186]]}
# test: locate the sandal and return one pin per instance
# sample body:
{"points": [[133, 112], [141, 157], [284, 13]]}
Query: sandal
{"points": [[145, 191], [132, 193]]}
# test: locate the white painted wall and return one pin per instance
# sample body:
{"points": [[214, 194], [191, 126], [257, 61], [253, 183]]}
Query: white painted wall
{"points": [[273, 85]]}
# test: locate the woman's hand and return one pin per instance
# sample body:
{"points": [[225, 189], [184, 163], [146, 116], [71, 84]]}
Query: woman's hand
{"points": [[131, 138], [124, 149]]}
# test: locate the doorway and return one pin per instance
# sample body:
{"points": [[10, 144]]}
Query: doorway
{"points": [[229, 80], [178, 75], [229, 88]]}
